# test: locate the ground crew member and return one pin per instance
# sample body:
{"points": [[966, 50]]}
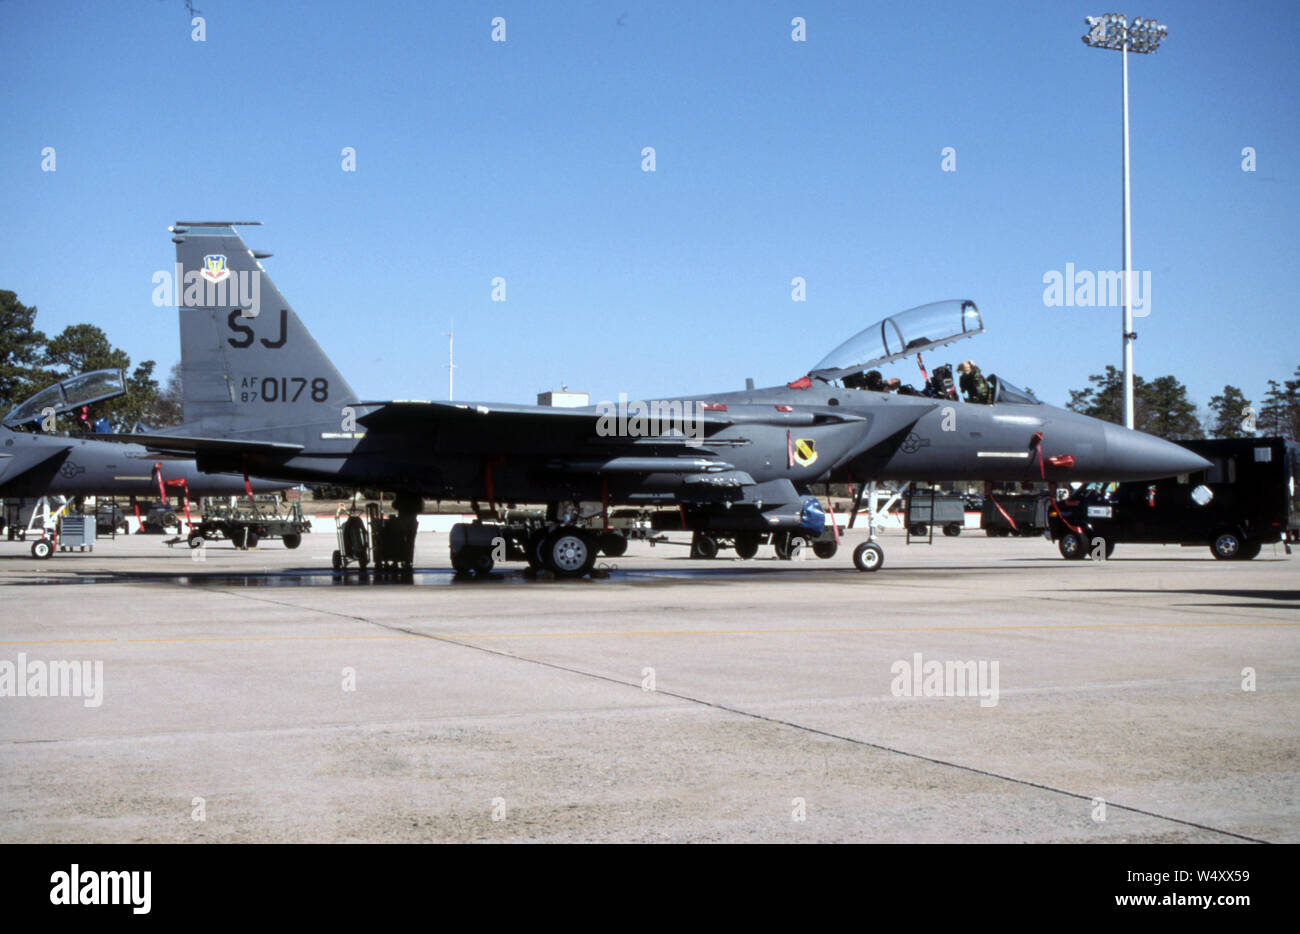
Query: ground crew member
{"points": [[973, 383]]}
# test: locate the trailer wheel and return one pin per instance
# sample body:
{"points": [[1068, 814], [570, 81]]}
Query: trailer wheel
{"points": [[992, 533], [251, 540], [787, 545], [1073, 546], [1226, 546], [952, 530], [41, 548], [747, 545], [918, 529], [869, 557], [195, 539], [336, 559], [704, 546], [825, 550], [292, 539]]}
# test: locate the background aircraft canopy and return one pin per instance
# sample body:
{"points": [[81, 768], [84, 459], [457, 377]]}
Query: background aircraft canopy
{"points": [[902, 335], [67, 395]]}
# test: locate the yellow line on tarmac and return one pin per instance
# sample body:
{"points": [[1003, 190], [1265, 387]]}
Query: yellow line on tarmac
{"points": [[656, 632]]}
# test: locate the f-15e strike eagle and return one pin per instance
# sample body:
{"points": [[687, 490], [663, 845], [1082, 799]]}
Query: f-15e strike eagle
{"points": [[33, 465], [260, 397]]}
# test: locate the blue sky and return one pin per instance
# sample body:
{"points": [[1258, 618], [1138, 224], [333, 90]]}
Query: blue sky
{"points": [[774, 159]]}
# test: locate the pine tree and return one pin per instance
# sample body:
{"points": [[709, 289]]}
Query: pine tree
{"points": [[1229, 411]]}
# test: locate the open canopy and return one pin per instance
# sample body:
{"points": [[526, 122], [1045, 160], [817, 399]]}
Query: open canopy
{"points": [[67, 395], [901, 335]]}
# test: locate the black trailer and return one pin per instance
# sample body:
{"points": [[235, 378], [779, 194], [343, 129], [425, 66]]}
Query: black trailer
{"points": [[247, 523], [1246, 499], [1003, 514]]}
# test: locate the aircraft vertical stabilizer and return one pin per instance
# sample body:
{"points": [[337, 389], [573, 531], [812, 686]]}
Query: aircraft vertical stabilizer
{"points": [[249, 367]]}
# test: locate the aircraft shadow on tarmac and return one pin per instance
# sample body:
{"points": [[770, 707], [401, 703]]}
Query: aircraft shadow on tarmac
{"points": [[1285, 597]]}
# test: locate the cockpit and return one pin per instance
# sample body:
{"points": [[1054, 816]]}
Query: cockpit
{"points": [[67, 396], [912, 333]]}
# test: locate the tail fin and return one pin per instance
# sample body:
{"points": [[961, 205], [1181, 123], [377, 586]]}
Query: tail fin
{"points": [[249, 367]]}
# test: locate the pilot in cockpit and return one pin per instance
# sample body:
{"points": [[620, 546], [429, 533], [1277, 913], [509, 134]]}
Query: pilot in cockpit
{"points": [[877, 383], [974, 384]]}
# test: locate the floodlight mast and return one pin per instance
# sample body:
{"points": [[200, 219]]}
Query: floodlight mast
{"points": [[1113, 31]]}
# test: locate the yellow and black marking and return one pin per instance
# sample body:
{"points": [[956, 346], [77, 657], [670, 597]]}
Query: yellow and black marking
{"points": [[805, 452]]}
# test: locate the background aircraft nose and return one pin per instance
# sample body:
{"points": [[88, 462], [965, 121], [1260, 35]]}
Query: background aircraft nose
{"points": [[1135, 455]]}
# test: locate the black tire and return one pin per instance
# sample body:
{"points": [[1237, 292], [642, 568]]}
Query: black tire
{"points": [[992, 533], [1226, 546], [613, 544], [825, 549], [336, 559], [1250, 551], [786, 544], [195, 540], [42, 548], [704, 546], [868, 557], [292, 539], [533, 549], [1073, 546], [252, 539], [952, 530], [568, 552], [747, 545], [919, 529]]}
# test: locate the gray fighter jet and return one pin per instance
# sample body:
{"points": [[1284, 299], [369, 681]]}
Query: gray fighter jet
{"points": [[260, 397], [35, 465]]}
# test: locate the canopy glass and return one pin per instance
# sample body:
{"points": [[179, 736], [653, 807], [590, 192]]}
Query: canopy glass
{"points": [[901, 335], [67, 395]]}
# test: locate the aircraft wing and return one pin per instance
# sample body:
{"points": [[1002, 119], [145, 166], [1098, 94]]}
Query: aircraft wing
{"points": [[504, 420], [28, 457], [182, 445]]}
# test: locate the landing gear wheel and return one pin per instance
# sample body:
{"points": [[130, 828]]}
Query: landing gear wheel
{"points": [[292, 540], [704, 546], [568, 553], [868, 557], [952, 530], [41, 548], [613, 544], [825, 550], [1226, 546], [746, 545], [1073, 546], [336, 559]]}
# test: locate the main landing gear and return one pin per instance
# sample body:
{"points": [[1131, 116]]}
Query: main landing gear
{"points": [[566, 550]]}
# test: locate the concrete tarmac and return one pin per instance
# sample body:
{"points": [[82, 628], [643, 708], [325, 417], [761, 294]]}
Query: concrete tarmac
{"points": [[259, 696]]}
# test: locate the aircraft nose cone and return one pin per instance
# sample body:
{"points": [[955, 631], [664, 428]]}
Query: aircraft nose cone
{"points": [[1135, 455]]}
